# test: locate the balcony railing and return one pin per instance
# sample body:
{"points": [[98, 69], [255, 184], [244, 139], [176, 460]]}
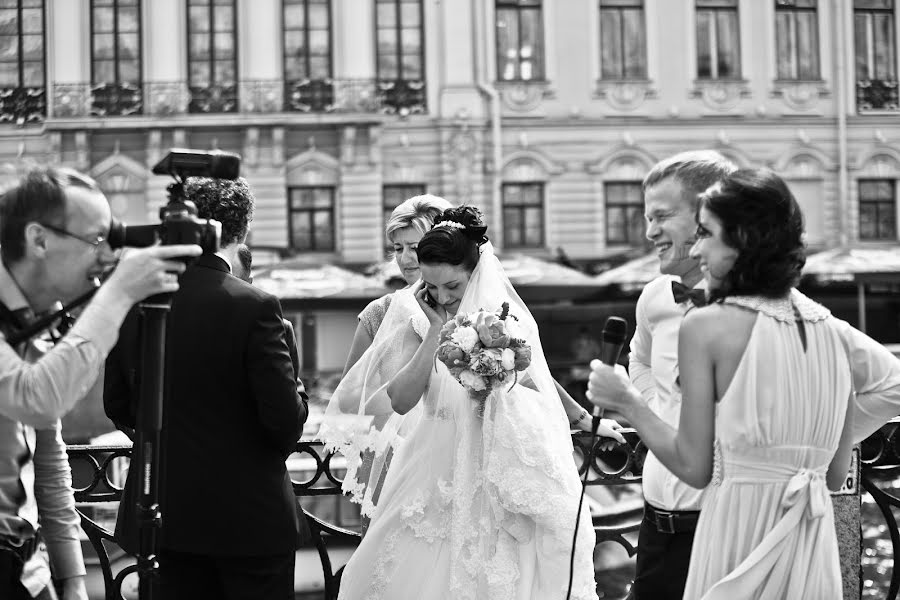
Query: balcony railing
{"points": [[622, 466], [117, 99], [166, 98], [23, 105], [877, 94]]}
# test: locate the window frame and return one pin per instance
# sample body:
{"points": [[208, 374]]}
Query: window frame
{"points": [[20, 36], [871, 54], [717, 7], [620, 8], [793, 12], [539, 73], [521, 207], [625, 206], [311, 212], [210, 5], [117, 79], [398, 32], [306, 30], [878, 204]]}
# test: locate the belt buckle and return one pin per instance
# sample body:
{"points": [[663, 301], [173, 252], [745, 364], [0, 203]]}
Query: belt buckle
{"points": [[665, 522]]}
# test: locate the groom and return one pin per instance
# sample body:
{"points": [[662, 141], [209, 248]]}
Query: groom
{"points": [[233, 414], [672, 507]]}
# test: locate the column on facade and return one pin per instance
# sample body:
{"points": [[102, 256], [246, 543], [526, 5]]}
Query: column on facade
{"points": [[354, 39], [68, 57], [449, 38], [165, 56], [361, 225], [259, 55]]}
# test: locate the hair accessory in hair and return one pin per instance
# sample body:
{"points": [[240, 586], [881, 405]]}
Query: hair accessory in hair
{"points": [[453, 224]]}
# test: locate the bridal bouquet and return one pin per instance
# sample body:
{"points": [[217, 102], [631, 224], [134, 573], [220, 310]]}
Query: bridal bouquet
{"points": [[482, 353]]}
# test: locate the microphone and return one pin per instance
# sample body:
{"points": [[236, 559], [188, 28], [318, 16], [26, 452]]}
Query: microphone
{"points": [[612, 339]]}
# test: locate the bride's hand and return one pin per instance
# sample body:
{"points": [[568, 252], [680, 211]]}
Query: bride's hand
{"points": [[421, 294], [609, 429]]}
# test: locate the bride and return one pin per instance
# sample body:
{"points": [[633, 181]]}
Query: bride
{"points": [[474, 506]]}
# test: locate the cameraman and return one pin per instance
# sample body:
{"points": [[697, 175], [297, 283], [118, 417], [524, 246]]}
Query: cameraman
{"points": [[53, 226], [232, 415]]}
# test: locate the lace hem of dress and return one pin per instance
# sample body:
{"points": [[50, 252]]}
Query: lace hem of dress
{"points": [[783, 309]]}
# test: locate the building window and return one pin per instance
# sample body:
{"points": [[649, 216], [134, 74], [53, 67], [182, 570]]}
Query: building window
{"points": [[718, 40], [877, 209], [623, 40], [311, 213], [624, 212], [400, 54], [876, 55], [212, 55], [307, 55], [22, 56], [393, 196], [523, 215], [797, 39], [520, 40], [116, 57]]}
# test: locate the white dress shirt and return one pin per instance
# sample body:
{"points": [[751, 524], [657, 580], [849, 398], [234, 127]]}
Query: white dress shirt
{"points": [[653, 367]]}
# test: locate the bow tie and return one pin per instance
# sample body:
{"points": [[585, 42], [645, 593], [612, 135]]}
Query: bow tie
{"points": [[683, 293]]}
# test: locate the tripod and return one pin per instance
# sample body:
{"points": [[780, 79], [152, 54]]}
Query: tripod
{"points": [[154, 314]]}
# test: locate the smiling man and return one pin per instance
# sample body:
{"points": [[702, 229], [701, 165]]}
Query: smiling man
{"points": [[671, 506]]}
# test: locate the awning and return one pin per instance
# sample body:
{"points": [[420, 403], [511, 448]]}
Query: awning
{"points": [[631, 276], [535, 279], [854, 265], [297, 279], [859, 265]]}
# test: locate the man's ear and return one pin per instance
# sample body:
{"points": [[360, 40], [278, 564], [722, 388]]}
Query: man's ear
{"points": [[35, 240]]}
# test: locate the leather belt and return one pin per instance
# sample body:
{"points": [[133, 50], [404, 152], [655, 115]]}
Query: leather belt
{"points": [[672, 521], [25, 550]]}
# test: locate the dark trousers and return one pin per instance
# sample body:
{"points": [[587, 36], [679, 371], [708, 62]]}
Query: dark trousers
{"points": [[10, 573], [186, 576], [662, 563]]}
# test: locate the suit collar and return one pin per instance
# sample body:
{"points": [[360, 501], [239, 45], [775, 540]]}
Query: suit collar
{"points": [[213, 261]]}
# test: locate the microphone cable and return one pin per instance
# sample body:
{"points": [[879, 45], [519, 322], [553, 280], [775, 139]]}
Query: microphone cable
{"points": [[587, 469]]}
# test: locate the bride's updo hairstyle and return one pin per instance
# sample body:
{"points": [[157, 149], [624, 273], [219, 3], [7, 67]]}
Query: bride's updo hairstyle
{"points": [[455, 238], [761, 220]]}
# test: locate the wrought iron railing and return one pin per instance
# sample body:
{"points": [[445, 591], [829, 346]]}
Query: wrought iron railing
{"points": [[23, 105], [880, 458], [103, 484], [877, 94], [117, 99], [620, 466], [163, 98]]}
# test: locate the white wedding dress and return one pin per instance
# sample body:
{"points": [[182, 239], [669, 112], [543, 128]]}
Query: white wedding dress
{"points": [[472, 507]]}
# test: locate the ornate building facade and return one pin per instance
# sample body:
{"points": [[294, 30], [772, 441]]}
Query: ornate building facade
{"points": [[546, 113]]}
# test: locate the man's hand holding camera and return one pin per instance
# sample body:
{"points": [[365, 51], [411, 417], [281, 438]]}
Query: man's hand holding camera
{"points": [[148, 271]]}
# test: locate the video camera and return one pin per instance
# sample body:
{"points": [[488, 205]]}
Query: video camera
{"points": [[179, 221]]}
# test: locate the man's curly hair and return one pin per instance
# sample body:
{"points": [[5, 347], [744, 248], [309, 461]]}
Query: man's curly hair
{"points": [[761, 220], [228, 201]]}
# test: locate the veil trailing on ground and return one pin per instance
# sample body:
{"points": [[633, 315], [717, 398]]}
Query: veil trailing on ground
{"points": [[514, 471], [359, 422]]}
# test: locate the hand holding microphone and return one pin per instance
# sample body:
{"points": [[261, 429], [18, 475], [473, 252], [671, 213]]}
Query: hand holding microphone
{"points": [[609, 386]]}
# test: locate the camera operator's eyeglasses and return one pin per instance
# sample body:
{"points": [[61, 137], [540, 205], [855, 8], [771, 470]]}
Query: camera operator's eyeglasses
{"points": [[96, 242]]}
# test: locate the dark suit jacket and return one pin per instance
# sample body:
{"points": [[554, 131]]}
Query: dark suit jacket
{"points": [[232, 415]]}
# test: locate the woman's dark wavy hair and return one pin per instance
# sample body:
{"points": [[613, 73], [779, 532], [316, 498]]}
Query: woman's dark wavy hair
{"points": [[761, 220], [447, 244]]}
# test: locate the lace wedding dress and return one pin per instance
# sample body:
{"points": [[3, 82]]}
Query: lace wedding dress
{"points": [[766, 527], [472, 507]]}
